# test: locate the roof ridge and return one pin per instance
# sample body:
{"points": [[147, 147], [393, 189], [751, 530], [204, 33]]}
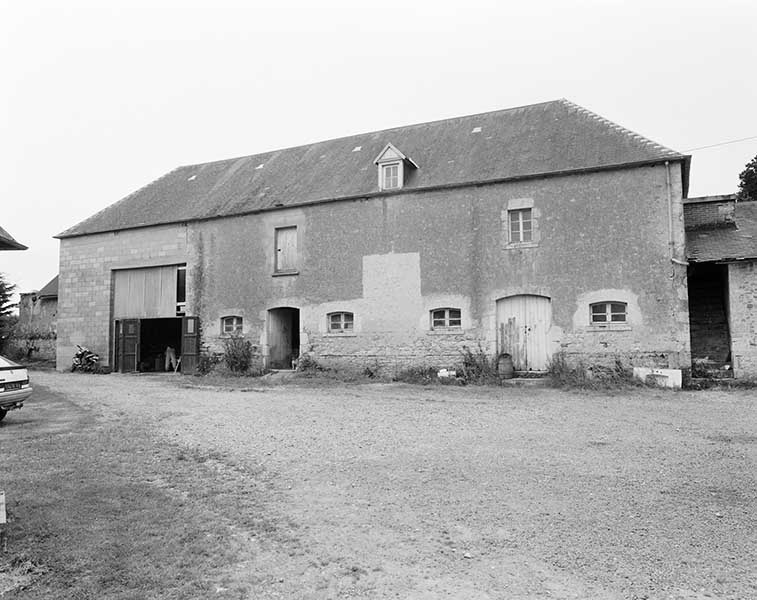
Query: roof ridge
{"points": [[346, 137], [617, 127]]}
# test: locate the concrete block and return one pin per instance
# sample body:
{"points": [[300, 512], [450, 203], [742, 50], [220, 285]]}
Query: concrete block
{"points": [[669, 378]]}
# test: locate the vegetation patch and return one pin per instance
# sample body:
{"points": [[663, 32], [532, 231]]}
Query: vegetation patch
{"points": [[102, 511], [567, 374]]}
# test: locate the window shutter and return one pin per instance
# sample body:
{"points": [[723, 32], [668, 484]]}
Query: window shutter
{"points": [[286, 249]]}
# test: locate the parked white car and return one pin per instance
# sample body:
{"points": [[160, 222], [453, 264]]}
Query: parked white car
{"points": [[14, 386]]}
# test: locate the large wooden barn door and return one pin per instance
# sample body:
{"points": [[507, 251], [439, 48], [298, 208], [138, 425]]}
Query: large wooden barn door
{"points": [[523, 324]]}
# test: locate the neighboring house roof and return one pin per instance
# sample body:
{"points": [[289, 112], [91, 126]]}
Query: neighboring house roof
{"points": [[8, 243], [726, 243], [529, 141], [50, 290]]}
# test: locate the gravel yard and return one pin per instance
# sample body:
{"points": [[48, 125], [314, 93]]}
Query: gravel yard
{"points": [[390, 490]]}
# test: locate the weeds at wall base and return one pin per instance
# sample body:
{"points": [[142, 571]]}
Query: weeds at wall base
{"points": [[567, 374]]}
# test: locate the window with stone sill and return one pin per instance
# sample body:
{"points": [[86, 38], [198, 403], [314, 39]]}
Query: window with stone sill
{"points": [[446, 319], [608, 314], [231, 325], [520, 224], [341, 322]]}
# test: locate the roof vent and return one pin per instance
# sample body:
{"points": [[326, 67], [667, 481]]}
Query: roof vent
{"points": [[476, 130], [260, 166], [357, 148], [192, 178]]}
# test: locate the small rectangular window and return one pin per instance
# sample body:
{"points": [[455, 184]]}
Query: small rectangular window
{"points": [[520, 225], [446, 318], [341, 322], [608, 312], [231, 325], [286, 249]]}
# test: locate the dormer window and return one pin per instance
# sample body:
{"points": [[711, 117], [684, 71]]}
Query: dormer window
{"points": [[392, 168], [390, 176]]}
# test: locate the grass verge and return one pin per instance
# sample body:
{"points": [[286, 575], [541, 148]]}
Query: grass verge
{"points": [[102, 510]]}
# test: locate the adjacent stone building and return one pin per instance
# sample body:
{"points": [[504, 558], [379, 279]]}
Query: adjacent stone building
{"points": [[531, 231], [36, 329], [722, 251]]}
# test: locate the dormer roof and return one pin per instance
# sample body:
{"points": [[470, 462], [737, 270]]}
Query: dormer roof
{"points": [[390, 153]]}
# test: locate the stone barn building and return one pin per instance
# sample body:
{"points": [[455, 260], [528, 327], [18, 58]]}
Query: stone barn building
{"points": [[532, 231]]}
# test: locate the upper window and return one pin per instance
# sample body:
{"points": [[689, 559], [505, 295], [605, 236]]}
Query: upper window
{"points": [[521, 229], [231, 325], [390, 176], [181, 290], [608, 312], [445, 318], [341, 322], [286, 249]]}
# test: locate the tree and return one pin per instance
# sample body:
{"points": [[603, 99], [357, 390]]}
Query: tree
{"points": [[7, 318], [748, 182]]}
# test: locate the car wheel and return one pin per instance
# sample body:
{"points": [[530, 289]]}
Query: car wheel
{"points": [[3, 412]]}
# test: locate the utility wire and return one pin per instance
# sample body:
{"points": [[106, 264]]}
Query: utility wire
{"points": [[753, 137]]}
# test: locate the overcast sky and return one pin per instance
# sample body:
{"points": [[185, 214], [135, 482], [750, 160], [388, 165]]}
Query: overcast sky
{"points": [[99, 98]]}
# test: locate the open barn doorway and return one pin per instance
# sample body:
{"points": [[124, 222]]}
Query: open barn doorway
{"points": [[159, 338], [709, 320], [143, 344], [283, 336]]}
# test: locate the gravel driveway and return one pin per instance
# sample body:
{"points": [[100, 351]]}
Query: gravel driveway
{"points": [[389, 490]]}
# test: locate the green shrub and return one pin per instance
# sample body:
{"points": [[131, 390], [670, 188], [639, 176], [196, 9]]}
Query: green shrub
{"points": [[478, 368], [208, 362], [417, 375], [567, 374], [237, 354], [307, 364]]}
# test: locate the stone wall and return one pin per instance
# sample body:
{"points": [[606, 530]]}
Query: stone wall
{"points": [[35, 332], [392, 259], [85, 282], [709, 211], [742, 283]]}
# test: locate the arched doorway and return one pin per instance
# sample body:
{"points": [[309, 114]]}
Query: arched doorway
{"points": [[283, 337], [523, 324]]}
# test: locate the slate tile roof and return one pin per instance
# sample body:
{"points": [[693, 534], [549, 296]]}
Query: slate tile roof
{"points": [[726, 243], [8, 243], [527, 141], [50, 290]]}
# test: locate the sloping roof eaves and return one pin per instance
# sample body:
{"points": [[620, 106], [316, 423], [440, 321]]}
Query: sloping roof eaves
{"points": [[726, 244], [529, 141], [8, 243], [50, 290]]}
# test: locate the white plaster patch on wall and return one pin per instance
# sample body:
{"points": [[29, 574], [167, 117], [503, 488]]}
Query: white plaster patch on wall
{"points": [[392, 291], [555, 338], [581, 318]]}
